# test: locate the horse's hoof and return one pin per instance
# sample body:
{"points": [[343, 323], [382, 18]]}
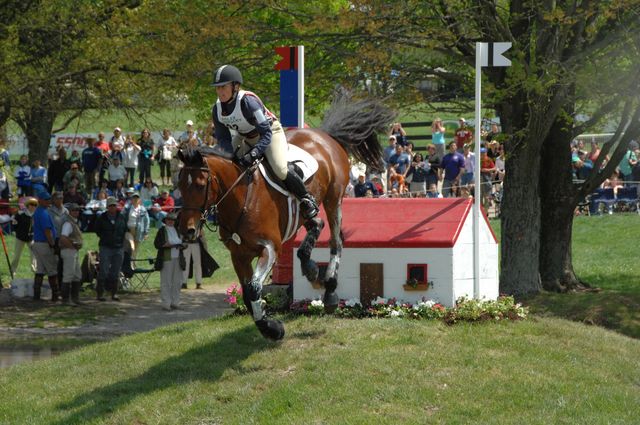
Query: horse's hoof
{"points": [[271, 329], [330, 301]]}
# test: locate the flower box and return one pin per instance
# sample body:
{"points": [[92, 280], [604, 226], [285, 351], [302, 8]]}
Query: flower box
{"points": [[418, 287]]}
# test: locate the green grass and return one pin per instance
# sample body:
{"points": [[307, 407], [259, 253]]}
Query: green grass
{"points": [[336, 371]]}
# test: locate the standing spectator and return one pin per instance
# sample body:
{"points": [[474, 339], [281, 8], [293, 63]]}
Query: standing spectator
{"points": [[74, 173], [437, 136], [57, 170], [116, 172], [193, 262], [469, 166], [433, 174], [23, 176], [44, 242], [463, 135], [400, 161], [493, 134], [137, 223], [629, 160], [38, 177], [105, 149], [388, 151], [130, 160], [166, 150], [170, 261], [418, 171], [110, 228], [453, 165], [492, 149], [57, 211], [145, 157], [117, 141], [4, 155], [23, 226], [91, 156], [362, 186], [75, 158], [499, 162], [176, 166], [487, 173], [398, 131], [4, 185], [188, 134], [70, 244]]}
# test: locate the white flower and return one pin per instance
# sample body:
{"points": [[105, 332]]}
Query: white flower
{"points": [[380, 300], [426, 304], [352, 302], [396, 313], [317, 303]]}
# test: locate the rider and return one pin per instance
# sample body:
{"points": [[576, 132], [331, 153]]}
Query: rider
{"points": [[243, 125]]}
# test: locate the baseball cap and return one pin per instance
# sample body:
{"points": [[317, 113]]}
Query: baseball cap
{"points": [[117, 129], [111, 201], [44, 195], [130, 190], [462, 119], [135, 194], [189, 122], [31, 201]]}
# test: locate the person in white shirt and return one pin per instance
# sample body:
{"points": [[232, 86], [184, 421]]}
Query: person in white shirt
{"points": [[116, 172], [167, 147], [189, 134], [117, 141], [169, 246], [70, 243], [137, 223], [130, 159], [148, 192]]}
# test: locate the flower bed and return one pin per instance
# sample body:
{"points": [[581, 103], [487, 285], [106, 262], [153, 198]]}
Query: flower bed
{"points": [[466, 310]]}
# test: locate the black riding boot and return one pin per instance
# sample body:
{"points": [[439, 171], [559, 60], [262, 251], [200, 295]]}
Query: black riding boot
{"points": [[66, 291], [37, 286], [308, 204], [55, 287]]}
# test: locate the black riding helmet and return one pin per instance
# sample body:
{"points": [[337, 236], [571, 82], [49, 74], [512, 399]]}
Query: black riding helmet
{"points": [[226, 74]]}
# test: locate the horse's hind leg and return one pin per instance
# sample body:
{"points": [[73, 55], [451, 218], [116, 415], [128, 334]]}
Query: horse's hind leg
{"points": [[309, 267], [331, 277], [252, 293]]}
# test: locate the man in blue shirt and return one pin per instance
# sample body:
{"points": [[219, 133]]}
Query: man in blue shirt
{"points": [[44, 242], [91, 163], [360, 189], [453, 166]]}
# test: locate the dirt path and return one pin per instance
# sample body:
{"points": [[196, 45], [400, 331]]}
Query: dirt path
{"points": [[139, 312]]}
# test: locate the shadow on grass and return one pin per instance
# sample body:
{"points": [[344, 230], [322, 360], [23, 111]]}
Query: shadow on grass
{"points": [[615, 310], [204, 363]]}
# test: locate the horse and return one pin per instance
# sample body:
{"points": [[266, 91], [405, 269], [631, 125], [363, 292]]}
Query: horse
{"points": [[252, 216]]}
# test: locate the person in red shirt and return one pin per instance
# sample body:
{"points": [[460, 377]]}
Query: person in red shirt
{"points": [[103, 164], [487, 173], [463, 135], [163, 205]]}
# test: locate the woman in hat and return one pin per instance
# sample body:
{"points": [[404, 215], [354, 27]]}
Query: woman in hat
{"points": [[256, 133], [170, 261]]}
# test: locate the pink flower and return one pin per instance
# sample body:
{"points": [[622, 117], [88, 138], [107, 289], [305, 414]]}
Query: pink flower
{"points": [[232, 300]]}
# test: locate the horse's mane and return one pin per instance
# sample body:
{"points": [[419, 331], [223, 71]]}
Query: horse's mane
{"points": [[356, 125], [195, 155]]}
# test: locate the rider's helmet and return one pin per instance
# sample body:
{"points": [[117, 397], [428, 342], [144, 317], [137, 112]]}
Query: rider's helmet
{"points": [[227, 74]]}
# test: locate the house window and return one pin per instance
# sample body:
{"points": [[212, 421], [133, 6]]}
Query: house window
{"points": [[417, 273]]}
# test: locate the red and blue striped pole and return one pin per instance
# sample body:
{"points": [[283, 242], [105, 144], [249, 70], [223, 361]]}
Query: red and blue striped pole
{"points": [[291, 68]]}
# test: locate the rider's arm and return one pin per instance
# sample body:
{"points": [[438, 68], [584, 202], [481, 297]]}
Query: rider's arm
{"points": [[254, 112], [223, 135]]}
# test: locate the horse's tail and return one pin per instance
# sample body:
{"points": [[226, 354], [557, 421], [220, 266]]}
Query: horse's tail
{"points": [[356, 125]]}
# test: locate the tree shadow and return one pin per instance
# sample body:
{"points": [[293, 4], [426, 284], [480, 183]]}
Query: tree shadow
{"points": [[203, 363]]}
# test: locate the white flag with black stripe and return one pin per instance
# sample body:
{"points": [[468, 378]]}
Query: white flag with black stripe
{"points": [[492, 54]]}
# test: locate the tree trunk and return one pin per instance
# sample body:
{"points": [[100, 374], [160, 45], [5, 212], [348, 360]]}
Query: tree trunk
{"points": [[558, 199], [520, 218], [37, 125]]}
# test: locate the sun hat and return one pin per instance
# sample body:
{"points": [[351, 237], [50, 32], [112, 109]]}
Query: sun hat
{"points": [[111, 201], [189, 122]]}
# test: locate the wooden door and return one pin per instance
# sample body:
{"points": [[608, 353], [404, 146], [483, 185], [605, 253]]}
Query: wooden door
{"points": [[371, 282]]}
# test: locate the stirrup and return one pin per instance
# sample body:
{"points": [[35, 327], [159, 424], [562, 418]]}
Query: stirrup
{"points": [[309, 208]]}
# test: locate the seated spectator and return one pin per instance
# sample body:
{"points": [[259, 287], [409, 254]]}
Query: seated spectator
{"points": [[72, 196], [73, 174], [362, 186], [177, 197], [432, 191], [103, 187], [23, 177], [375, 180], [116, 172], [148, 192], [614, 182], [93, 209], [163, 205], [119, 192], [397, 183]]}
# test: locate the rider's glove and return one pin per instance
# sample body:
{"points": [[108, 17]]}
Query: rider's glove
{"points": [[250, 157]]}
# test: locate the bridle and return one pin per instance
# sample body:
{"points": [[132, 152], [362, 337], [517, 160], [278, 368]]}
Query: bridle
{"points": [[212, 211]]}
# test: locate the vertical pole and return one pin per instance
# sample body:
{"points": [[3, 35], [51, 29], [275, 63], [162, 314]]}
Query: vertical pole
{"points": [[476, 178], [300, 86]]}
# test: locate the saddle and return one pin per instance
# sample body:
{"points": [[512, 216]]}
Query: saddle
{"points": [[305, 165]]}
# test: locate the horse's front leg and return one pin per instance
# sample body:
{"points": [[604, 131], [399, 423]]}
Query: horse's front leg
{"points": [[252, 293], [309, 267]]}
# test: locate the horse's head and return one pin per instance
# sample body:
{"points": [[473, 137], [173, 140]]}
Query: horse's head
{"points": [[195, 186]]}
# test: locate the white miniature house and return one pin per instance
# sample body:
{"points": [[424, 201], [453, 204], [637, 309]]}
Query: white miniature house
{"points": [[409, 249]]}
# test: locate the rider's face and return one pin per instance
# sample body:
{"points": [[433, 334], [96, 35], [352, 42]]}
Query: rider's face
{"points": [[225, 92]]}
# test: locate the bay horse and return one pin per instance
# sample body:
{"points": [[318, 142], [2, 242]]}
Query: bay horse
{"points": [[253, 217]]}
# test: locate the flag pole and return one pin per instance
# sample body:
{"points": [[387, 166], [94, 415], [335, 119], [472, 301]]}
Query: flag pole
{"points": [[476, 177]]}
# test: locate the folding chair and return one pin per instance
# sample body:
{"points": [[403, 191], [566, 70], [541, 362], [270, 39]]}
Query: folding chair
{"points": [[628, 196], [135, 273], [606, 197]]}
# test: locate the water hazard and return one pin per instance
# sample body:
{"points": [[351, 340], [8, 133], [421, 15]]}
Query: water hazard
{"points": [[10, 356]]}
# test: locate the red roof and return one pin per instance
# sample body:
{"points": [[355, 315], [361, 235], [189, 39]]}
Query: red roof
{"points": [[399, 222]]}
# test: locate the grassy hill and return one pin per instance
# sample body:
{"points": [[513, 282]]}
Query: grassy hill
{"points": [[327, 370]]}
